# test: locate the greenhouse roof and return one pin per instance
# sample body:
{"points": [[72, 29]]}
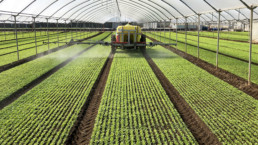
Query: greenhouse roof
{"points": [[101, 11]]}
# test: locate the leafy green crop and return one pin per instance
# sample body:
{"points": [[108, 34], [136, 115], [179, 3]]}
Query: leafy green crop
{"points": [[18, 77], [135, 108], [238, 36], [230, 114], [27, 45], [231, 48], [45, 114], [232, 65]]}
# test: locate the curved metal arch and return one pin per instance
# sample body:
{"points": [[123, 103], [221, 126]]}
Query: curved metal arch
{"points": [[84, 7], [159, 17], [74, 8], [154, 9], [189, 7], [26, 7], [191, 17], [92, 17], [241, 13], [179, 11], [88, 14], [91, 11], [163, 8], [208, 17], [147, 10], [173, 7], [230, 15], [61, 8], [136, 4], [215, 9], [145, 13], [138, 17], [104, 20], [160, 8], [46, 8]]}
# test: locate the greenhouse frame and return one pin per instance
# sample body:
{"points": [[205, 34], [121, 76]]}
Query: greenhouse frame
{"points": [[128, 72]]}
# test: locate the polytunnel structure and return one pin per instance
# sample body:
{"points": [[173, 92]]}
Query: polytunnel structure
{"points": [[79, 72]]}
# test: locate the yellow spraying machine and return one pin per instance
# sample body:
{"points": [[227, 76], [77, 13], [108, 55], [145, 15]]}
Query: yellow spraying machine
{"points": [[127, 37]]}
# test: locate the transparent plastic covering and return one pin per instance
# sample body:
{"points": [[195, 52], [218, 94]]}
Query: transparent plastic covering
{"points": [[143, 11]]}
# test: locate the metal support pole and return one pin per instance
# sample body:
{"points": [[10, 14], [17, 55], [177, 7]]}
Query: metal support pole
{"points": [[57, 32], [80, 29], [88, 32], [186, 34], [160, 32], [170, 30], [75, 30], [92, 28], [199, 27], [251, 46], [17, 45], [4, 32], [35, 34], [176, 30], [22, 34], [164, 31], [65, 31], [72, 29], [156, 30], [217, 54], [47, 34], [83, 30]]}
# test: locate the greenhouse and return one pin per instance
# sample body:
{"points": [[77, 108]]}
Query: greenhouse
{"points": [[79, 72]]}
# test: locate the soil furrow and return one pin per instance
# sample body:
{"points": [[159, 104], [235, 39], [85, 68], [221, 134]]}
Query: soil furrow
{"points": [[5, 102], [232, 79], [198, 128], [80, 133], [22, 61]]}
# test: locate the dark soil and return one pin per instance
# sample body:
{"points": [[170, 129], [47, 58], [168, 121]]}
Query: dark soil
{"points": [[22, 61], [234, 80], [198, 128], [20, 92], [80, 133]]}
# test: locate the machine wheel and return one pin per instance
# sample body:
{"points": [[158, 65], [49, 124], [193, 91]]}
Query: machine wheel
{"points": [[113, 39], [143, 39]]}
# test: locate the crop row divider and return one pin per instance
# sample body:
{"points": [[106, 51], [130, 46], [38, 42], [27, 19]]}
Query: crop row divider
{"points": [[83, 127], [198, 128], [8, 100], [25, 60], [234, 80]]}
